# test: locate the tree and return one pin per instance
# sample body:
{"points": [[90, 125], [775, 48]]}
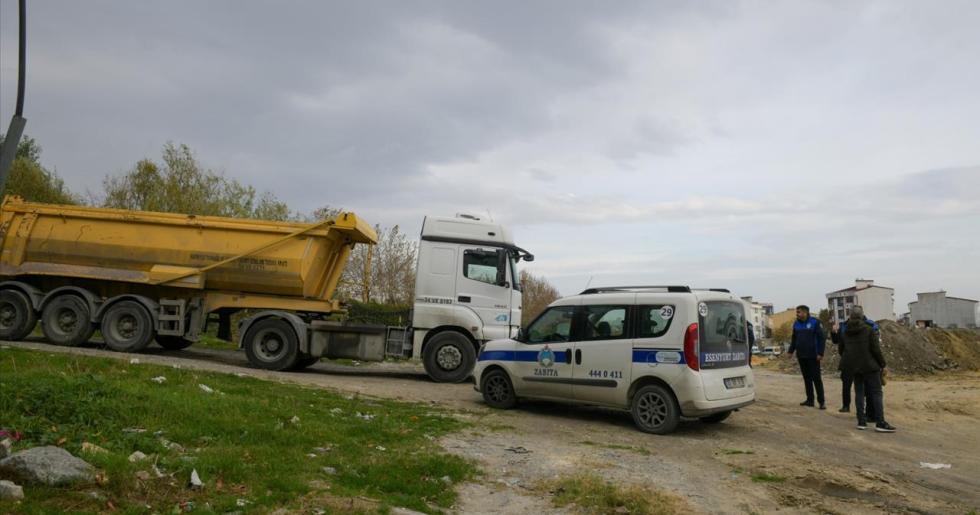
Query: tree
{"points": [[31, 181], [181, 185], [824, 317], [537, 293], [783, 333]]}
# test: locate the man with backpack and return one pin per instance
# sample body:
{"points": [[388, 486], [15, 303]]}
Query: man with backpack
{"points": [[864, 361]]}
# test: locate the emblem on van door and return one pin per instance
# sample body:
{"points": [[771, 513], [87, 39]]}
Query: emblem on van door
{"points": [[669, 357], [703, 309], [546, 357]]}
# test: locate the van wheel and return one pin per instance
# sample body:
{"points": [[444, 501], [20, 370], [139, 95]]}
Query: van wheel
{"points": [[654, 410], [498, 391], [272, 344], [172, 342], [17, 316], [66, 320], [715, 418], [449, 357], [127, 327]]}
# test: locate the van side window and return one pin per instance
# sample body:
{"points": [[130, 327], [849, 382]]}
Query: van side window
{"points": [[481, 265], [606, 322], [654, 321], [554, 325]]}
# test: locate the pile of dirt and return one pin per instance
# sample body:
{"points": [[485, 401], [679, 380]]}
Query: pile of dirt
{"points": [[913, 351]]}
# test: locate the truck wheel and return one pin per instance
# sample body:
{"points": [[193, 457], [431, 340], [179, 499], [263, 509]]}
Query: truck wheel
{"points": [[654, 410], [715, 418], [498, 391], [171, 342], [17, 316], [66, 320], [449, 357], [127, 327], [272, 344], [306, 361]]}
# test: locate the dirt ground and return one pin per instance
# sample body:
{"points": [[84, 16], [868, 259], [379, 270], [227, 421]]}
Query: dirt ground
{"points": [[772, 457]]}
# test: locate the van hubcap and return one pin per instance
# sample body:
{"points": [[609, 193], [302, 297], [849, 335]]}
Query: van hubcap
{"points": [[652, 409], [449, 357], [497, 389]]}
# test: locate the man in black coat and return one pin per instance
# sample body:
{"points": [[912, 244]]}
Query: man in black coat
{"points": [[864, 361], [846, 379], [808, 344]]}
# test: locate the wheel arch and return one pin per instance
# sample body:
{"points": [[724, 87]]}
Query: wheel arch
{"points": [[649, 380], [298, 324], [34, 295], [93, 300], [449, 328]]}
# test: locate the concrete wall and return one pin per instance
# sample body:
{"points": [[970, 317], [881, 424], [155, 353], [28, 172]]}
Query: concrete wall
{"points": [[944, 311], [879, 303]]}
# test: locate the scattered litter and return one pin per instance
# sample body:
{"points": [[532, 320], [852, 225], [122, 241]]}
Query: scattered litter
{"points": [[364, 416], [349, 397], [185, 506], [380, 448], [241, 503], [134, 430], [319, 511], [518, 450], [311, 455], [176, 366], [143, 475], [195, 482], [136, 456], [157, 434], [159, 379], [10, 433], [294, 420], [239, 374], [171, 445], [336, 411], [92, 448], [321, 450], [935, 466], [157, 472], [329, 470], [446, 479], [205, 388], [134, 361], [429, 437]]}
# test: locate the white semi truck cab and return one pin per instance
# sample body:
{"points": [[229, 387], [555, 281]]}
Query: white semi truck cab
{"points": [[467, 292]]}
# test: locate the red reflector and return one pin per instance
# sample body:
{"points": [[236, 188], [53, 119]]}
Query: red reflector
{"points": [[691, 347]]}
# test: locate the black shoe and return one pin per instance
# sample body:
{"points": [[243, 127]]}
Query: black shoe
{"points": [[823, 406], [862, 426], [845, 409], [884, 427], [808, 404]]}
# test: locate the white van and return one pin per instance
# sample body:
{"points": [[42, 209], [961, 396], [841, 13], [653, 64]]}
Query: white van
{"points": [[662, 352]]}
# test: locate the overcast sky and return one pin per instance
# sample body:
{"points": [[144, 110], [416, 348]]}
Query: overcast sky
{"points": [[780, 149]]}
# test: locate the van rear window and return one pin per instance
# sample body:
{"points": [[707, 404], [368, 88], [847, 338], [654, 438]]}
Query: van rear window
{"points": [[724, 335]]}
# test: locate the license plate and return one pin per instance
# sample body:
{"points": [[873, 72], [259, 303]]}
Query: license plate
{"points": [[735, 382]]}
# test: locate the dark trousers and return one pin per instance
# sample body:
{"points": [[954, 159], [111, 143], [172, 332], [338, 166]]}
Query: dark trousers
{"points": [[846, 381], [810, 368], [870, 382]]}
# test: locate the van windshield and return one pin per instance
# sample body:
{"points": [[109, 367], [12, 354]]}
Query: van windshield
{"points": [[724, 336]]}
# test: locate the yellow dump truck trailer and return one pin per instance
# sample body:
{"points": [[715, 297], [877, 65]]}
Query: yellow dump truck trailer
{"points": [[139, 276]]}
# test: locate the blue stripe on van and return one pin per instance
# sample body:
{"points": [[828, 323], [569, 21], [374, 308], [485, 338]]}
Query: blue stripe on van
{"points": [[650, 356], [518, 355]]}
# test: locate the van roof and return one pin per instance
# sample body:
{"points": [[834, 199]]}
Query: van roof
{"points": [[650, 289]]}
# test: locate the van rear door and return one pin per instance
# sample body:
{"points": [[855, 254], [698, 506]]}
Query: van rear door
{"points": [[724, 349]]}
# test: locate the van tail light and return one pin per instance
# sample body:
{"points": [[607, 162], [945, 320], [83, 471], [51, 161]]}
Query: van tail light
{"points": [[691, 347]]}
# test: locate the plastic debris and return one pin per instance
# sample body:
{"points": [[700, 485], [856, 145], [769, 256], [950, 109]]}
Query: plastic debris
{"points": [[364, 416], [195, 482], [134, 430], [518, 450], [294, 420], [134, 361], [136, 456], [92, 448], [935, 466], [380, 448], [241, 503], [159, 379], [329, 470], [205, 388]]}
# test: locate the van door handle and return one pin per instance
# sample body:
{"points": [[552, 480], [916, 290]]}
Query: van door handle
{"points": [[463, 298], [568, 357], [578, 356]]}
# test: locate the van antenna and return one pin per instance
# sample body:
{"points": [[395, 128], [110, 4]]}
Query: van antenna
{"points": [[590, 282], [490, 216]]}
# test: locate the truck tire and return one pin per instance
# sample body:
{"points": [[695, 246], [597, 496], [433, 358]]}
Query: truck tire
{"points": [[449, 357], [272, 344], [171, 342], [654, 410], [715, 418], [66, 320], [498, 390], [127, 326], [17, 316], [305, 362]]}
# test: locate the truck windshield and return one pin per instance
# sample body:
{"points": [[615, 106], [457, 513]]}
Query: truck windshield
{"points": [[724, 337]]}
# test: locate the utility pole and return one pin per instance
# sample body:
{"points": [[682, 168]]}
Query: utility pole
{"points": [[17, 123]]}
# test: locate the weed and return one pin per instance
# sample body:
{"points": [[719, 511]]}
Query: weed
{"points": [[595, 495], [766, 477]]}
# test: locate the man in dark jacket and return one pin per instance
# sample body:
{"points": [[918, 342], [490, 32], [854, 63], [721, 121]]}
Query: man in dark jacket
{"points": [[864, 361], [808, 344], [846, 379]]}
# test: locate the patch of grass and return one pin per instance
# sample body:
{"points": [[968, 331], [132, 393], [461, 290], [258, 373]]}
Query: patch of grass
{"points": [[736, 451], [767, 477], [253, 442], [639, 450], [596, 495], [213, 342]]}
